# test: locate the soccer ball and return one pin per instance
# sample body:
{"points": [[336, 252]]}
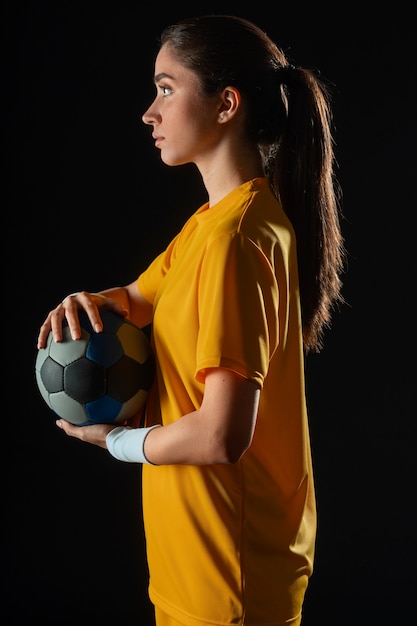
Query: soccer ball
{"points": [[101, 377]]}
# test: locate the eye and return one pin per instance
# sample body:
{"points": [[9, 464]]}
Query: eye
{"points": [[166, 91]]}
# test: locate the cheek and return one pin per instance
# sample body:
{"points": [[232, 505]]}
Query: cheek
{"points": [[191, 124], [190, 130], [203, 120]]}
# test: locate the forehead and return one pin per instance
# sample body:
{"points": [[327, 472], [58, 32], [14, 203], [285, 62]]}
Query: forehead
{"points": [[167, 66]]}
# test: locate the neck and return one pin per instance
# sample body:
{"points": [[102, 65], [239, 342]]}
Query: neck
{"points": [[227, 172]]}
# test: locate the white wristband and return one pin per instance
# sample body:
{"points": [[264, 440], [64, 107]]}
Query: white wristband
{"points": [[127, 444]]}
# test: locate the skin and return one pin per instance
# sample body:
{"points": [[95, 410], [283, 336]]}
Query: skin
{"points": [[188, 127]]}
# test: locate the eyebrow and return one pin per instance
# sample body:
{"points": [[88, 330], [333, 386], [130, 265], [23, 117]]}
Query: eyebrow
{"points": [[162, 75]]}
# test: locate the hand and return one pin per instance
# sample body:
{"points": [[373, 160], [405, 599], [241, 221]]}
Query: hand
{"points": [[95, 434], [68, 308]]}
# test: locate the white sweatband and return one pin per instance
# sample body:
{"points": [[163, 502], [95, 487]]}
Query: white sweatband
{"points": [[127, 444]]}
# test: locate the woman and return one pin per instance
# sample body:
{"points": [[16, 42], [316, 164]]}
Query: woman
{"points": [[235, 301]]}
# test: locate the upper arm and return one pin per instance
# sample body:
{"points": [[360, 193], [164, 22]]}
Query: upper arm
{"points": [[229, 409], [220, 431]]}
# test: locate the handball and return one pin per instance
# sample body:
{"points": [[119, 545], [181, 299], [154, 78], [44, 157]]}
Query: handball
{"points": [[101, 378]]}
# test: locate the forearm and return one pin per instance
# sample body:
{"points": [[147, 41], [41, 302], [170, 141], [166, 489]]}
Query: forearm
{"points": [[191, 440], [138, 309], [120, 295], [220, 431], [185, 442]]}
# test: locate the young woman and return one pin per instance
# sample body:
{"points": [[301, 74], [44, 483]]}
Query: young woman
{"points": [[236, 300]]}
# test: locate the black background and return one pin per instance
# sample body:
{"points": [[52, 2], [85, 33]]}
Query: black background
{"points": [[89, 204]]}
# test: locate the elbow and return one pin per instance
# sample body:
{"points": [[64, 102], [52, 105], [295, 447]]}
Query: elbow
{"points": [[234, 457], [230, 452]]}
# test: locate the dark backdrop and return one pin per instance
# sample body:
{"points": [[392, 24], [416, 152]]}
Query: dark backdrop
{"points": [[89, 204]]}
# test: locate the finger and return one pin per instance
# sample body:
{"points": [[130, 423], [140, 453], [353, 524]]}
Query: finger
{"points": [[92, 303], [72, 430], [70, 307], [44, 331], [68, 428]]}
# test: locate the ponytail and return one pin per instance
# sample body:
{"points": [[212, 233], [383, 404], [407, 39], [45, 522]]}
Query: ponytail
{"points": [[303, 177]]}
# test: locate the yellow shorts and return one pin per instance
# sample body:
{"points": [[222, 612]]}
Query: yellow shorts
{"points": [[162, 619]]}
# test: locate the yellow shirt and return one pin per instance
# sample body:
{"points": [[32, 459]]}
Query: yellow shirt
{"points": [[231, 544]]}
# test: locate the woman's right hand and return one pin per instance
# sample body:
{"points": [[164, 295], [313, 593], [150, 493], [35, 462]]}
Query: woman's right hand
{"points": [[68, 309]]}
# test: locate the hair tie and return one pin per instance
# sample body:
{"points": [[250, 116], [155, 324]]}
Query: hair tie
{"points": [[286, 72]]}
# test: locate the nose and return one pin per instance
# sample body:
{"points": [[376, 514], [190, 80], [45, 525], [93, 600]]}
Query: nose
{"points": [[149, 117]]}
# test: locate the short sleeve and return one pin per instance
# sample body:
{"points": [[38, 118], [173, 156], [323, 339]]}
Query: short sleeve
{"points": [[238, 308]]}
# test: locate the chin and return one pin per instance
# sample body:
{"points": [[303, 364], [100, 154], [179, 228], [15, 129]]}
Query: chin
{"points": [[172, 161]]}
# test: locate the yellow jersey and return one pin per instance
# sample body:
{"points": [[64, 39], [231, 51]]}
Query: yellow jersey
{"points": [[231, 544]]}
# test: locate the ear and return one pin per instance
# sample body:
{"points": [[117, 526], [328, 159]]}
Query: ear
{"points": [[230, 101]]}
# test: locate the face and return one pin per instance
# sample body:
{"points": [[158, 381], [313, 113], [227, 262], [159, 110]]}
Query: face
{"points": [[184, 120]]}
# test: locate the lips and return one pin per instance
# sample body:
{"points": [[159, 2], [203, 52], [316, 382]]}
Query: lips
{"points": [[157, 139]]}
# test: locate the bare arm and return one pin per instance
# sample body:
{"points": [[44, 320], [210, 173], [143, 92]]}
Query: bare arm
{"points": [[219, 432], [126, 301]]}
